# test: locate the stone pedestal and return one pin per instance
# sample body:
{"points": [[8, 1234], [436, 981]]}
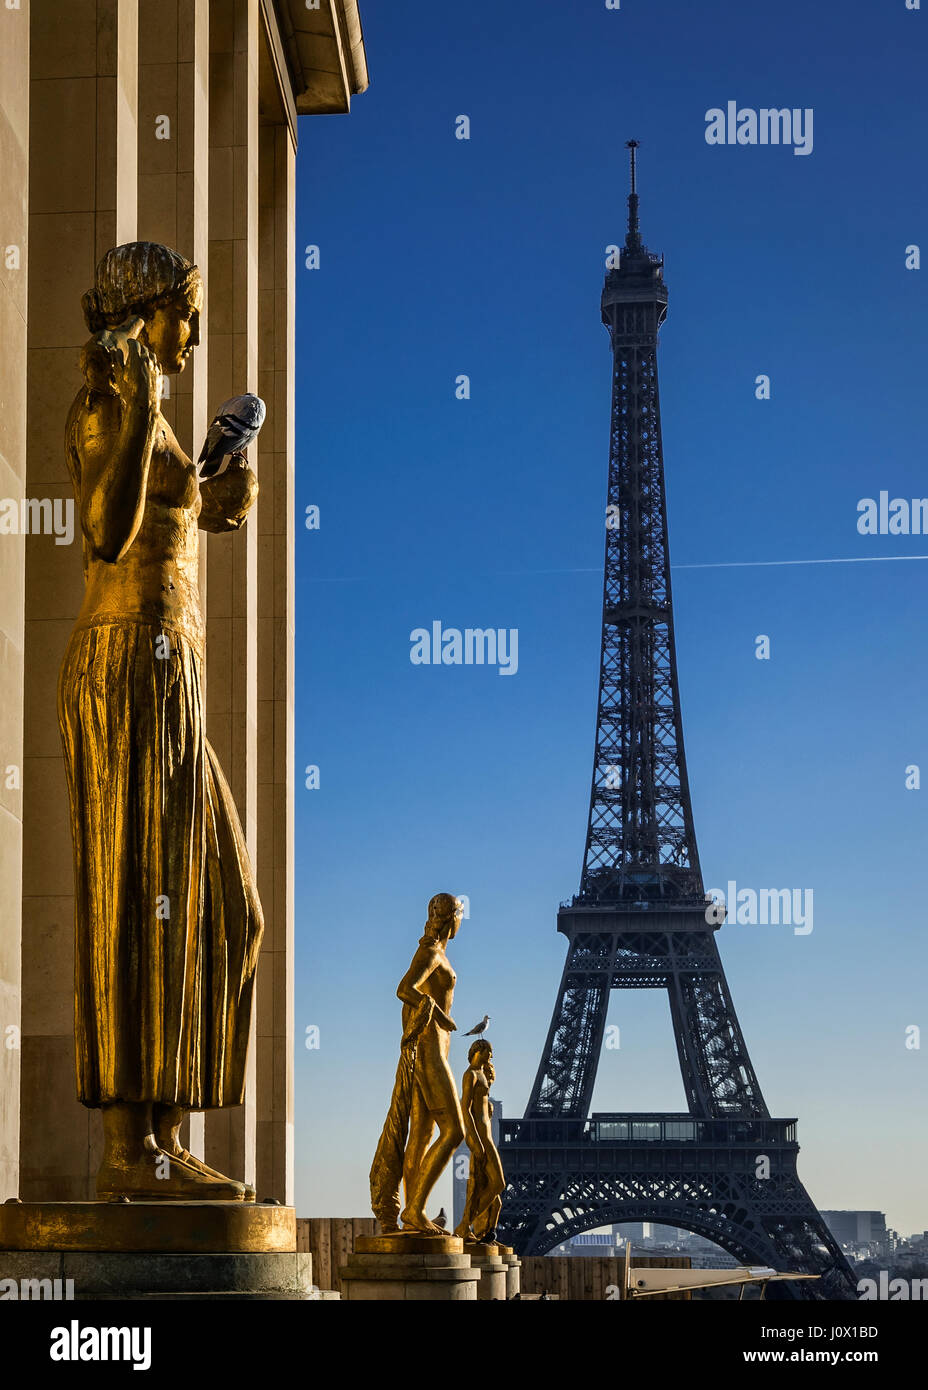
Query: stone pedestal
{"points": [[513, 1270], [175, 1228], [400, 1268], [114, 1250], [97, 1274], [487, 1259]]}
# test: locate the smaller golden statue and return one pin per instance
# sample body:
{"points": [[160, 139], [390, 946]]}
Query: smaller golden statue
{"points": [[486, 1183], [424, 1093]]}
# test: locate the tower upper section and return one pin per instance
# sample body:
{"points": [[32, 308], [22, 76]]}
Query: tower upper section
{"points": [[634, 302], [641, 844]]}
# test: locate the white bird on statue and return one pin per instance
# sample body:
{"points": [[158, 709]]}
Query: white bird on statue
{"points": [[235, 426], [480, 1027]]}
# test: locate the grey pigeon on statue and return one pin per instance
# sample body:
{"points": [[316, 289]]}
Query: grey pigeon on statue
{"points": [[235, 426], [480, 1028]]}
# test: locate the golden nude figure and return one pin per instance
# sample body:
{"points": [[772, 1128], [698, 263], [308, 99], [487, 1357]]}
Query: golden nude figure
{"points": [[424, 1094], [167, 919], [486, 1183]]}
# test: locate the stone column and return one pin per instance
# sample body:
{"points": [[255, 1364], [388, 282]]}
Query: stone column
{"points": [[173, 155], [232, 294], [14, 145], [513, 1270], [493, 1271], [173, 185], [82, 200], [276, 212]]}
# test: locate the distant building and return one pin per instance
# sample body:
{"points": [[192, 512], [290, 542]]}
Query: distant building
{"points": [[860, 1229]]}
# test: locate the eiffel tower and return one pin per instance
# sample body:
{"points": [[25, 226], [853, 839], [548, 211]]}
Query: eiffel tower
{"points": [[724, 1169]]}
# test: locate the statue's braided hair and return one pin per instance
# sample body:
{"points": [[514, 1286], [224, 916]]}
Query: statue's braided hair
{"points": [[134, 278]]}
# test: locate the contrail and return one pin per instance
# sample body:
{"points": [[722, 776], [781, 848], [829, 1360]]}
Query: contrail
{"points": [[737, 564], [749, 564], [710, 565]]}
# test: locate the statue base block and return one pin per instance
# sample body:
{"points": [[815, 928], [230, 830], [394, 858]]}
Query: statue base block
{"points": [[409, 1243], [487, 1259], [135, 1250], [404, 1275], [97, 1275], [137, 1227], [513, 1270]]}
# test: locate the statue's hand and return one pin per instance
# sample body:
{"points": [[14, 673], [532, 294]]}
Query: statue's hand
{"points": [[139, 383], [105, 360]]}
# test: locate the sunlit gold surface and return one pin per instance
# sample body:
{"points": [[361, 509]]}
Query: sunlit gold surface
{"points": [[486, 1183], [178, 1227], [424, 1093], [168, 922], [408, 1243]]}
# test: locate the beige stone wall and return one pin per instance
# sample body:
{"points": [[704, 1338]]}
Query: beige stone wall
{"points": [[173, 189], [276, 301], [86, 89], [14, 142], [82, 200], [231, 624]]}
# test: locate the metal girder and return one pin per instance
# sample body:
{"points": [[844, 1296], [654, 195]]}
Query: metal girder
{"points": [[770, 1221], [638, 921]]}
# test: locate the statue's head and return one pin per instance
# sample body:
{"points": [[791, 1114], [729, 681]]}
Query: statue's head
{"points": [[445, 915], [147, 280], [479, 1054]]}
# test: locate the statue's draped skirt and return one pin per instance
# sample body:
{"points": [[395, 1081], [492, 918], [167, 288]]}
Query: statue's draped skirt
{"points": [[168, 922]]}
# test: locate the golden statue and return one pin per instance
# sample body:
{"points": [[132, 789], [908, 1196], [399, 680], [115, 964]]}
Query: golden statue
{"points": [[486, 1183], [168, 922], [424, 1094]]}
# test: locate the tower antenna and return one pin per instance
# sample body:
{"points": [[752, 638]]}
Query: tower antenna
{"points": [[633, 239]]}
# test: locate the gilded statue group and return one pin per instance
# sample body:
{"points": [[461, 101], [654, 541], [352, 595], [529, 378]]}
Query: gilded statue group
{"points": [[425, 1098], [168, 924]]}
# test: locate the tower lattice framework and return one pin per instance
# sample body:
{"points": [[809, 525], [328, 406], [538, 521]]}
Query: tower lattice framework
{"points": [[724, 1169]]}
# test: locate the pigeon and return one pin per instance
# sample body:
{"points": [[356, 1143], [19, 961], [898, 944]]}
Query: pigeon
{"points": [[235, 426], [442, 1219], [479, 1028]]}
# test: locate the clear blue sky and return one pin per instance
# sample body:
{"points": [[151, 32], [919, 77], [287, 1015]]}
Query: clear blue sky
{"points": [[485, 257]]}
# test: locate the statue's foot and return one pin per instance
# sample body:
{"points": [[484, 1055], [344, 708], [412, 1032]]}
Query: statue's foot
{"points": [[415, 1220], [159, 1177], [189, 1160]]}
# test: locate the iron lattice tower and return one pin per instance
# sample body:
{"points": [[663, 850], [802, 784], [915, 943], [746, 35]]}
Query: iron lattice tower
{"points": [[725, 1169]]}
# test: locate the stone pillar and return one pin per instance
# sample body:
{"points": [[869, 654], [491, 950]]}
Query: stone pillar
{"points": [[173, 163], [173, 188], [275, 1041], [513, 1270], [14, 145], [492, 1268], [82, 200], [232, 294]]}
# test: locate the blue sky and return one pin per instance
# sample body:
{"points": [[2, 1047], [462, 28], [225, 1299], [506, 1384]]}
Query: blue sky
{"points": [[486, 257]]}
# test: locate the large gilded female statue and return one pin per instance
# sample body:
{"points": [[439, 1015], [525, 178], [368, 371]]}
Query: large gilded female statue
{"points": [[168, 922], [424, 1094]]}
